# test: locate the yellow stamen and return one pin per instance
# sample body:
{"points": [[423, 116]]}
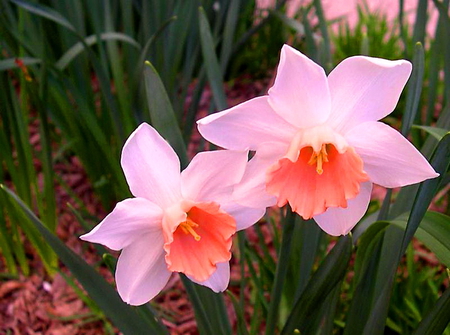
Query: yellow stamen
{"points": [[188, 228], [319, 158]]}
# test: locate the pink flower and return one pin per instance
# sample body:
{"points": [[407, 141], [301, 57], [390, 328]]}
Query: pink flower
{"points": [[177, 222], [317, 140]]}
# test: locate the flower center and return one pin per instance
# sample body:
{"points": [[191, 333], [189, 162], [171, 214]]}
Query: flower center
{"points": [[320, 170], [188, 228], [319, 158], [201, 240]]}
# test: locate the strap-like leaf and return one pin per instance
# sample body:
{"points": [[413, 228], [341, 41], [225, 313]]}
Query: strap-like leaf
{"points": [[161, 112], [78, 48], [434, 232], [330, 272], [46, 12], [121, 314], [211, 63], [438, 318], [414, 89]]}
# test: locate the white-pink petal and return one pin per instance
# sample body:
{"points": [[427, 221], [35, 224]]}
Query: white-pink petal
{"points": [[211, 175], [151, 167], [300, 93], [246, 126], [141, 270], [389, 159], [130, 219], [251, 191], [219, 280], [339, 221], [365, 89], [245, 216]]}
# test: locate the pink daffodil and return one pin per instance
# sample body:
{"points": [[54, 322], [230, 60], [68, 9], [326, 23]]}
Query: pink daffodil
{"points": [[319, 145], [177, 222]]}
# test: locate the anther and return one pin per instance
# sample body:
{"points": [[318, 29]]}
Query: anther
{"points": [[188, 228], [319, 158]]}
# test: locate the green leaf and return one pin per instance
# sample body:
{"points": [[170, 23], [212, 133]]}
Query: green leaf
{"points": [[421, 21], [241, 327], [298, 27], [123, 315], [366, 269], [392, 250], [434, 232], [414, 89], [329, 274], [281, 271], [79, 47], [161, 112], [11, 63], [46, 12], [436, 132], [305, 251], [437, 318], [211, 63], [228, 34], [210, 311], [325, 50], [427, 190]]}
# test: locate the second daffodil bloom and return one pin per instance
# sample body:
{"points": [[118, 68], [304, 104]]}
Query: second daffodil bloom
{"points": [[177, 222], [318, 142]]}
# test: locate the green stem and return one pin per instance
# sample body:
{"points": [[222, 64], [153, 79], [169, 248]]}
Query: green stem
{"points": [[281, 271]]}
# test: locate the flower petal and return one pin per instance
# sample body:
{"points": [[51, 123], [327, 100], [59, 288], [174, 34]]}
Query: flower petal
{"points": [[389, 159], [251, 191], [245, 216], [218, 282], [339, 221], [365, 89], [141, 270], [151, 167], [126, 223], [245, 126], [300, 93], [210, 175]]}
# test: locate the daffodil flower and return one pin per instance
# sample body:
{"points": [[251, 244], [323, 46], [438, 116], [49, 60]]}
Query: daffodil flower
{"points": [[319, 145], [177, 222]]}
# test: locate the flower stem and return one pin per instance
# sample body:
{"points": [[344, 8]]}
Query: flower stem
{"points": [[281, 271]]}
